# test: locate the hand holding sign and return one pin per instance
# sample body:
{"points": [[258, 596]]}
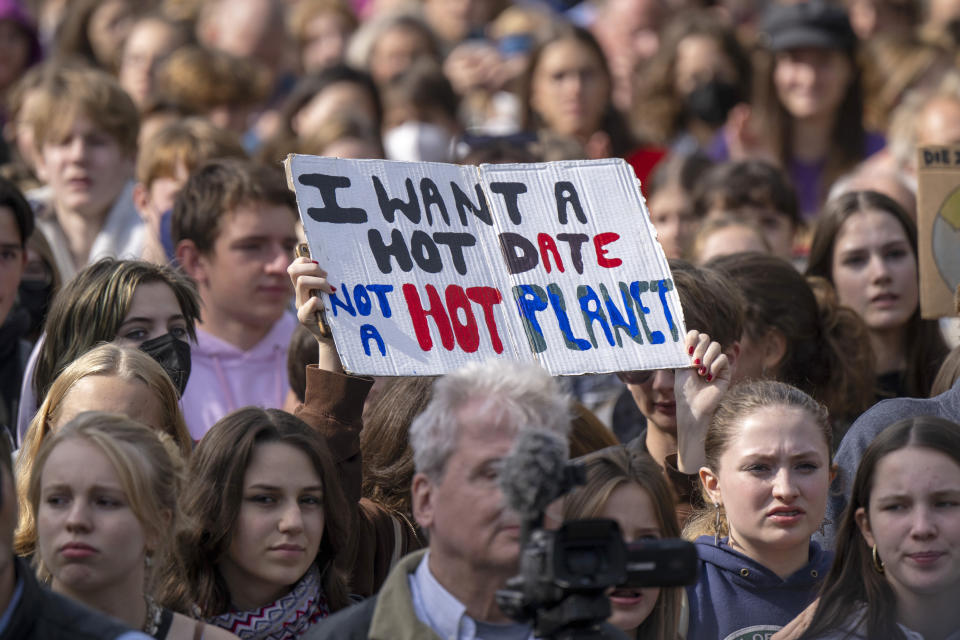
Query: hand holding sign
{"points": [[435, 265], [308, 277]]}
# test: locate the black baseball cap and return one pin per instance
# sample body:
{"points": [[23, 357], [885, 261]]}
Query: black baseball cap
{"points": [[815, 24]]}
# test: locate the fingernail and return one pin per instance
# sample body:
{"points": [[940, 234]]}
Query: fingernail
{"points": [[333, 289], [314, 262], [690, 351], [697, 361], [709, 377], [702, 370]]}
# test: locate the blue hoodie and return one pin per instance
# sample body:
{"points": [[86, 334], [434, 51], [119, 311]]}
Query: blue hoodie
{"points": [[737, 598]]}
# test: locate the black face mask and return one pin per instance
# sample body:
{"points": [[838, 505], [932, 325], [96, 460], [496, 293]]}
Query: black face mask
{"points": [[711, 101], [34, 297], [173, 355]]}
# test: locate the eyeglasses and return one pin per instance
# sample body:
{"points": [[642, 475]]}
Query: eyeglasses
{"points": [[635, 377]]}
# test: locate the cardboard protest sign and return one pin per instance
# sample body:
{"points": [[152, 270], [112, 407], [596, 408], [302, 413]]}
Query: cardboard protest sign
{"points": [[436, 265], [938, 222]]}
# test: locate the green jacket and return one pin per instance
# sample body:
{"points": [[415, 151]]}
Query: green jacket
{"points": [[389, 615]]}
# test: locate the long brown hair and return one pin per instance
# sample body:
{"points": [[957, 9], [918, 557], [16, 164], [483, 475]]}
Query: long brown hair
{"points": [[211, 505], [925, 348], [607, 470], [849, 136], [384, 442], [852, 582], [658, 111], [828, 353], [611, 122]]}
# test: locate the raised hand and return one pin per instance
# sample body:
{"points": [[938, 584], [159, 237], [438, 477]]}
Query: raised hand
{"points": [[698, 391], [308, 278]]}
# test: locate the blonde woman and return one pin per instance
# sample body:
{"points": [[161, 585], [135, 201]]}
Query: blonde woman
{"points": [[630, 488], [107, 378], [104, 494]]}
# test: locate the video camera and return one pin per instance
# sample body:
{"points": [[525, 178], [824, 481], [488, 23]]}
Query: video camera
{"points": [[565, 574]]}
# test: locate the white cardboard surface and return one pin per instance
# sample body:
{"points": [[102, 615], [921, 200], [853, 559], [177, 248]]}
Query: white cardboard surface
{"points": [[563, 319]]}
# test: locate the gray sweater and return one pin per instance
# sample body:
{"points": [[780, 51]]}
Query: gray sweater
{"points": [[861, 434]]}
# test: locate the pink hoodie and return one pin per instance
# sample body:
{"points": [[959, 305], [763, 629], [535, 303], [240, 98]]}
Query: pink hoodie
{"points": [[224, 378]]}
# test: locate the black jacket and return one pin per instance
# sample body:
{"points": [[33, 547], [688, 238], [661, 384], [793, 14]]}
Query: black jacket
{"points": [[44, 615]]}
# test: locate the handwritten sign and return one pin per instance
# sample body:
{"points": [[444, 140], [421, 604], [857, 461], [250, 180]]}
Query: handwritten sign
{"points": [[437, 264], [938, 223]]}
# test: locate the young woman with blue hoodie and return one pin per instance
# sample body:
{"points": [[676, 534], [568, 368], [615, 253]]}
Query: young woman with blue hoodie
{"points": [[762, 453]]}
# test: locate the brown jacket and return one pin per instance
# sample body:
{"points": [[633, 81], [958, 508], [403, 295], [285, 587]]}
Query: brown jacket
{"points": [[334, 406]]}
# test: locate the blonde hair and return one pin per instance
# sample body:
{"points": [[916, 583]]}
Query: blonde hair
{"points": [[187, 143], [104, 360], [146, 462], [607, 470], [738, 403], [200, 79], [66, 93]]}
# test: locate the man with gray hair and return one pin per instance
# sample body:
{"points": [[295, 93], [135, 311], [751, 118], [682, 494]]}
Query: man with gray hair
{"points": [[459, 442]]}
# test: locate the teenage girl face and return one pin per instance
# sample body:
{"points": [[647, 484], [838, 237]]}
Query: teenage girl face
{"points": [[914, 520], [395, 51], [700, 58], [149, 42], [279, 528], [875, 270], [570, 89], [154, 312], [772, 481], [811, 83], [88, 536], [672, 215], [632, 507]]}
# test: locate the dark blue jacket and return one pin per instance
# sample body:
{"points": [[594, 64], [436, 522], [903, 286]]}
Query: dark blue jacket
{"points": [[737, 598]]}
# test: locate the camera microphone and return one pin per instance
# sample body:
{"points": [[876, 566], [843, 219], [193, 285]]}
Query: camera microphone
{"points": [[535, 473]]}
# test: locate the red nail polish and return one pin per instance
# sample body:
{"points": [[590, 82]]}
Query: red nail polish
{"points": [[709, 377], [314, 262], [702, 370], [697, 361], [333, 289], [690, 350]]}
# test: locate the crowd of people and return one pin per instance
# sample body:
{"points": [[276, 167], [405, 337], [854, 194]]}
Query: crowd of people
{"points": [[183, 455]]}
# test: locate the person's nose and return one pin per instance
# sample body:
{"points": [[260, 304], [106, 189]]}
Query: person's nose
{"points": [[78, 517], [879, 270], [785, 486], [77, 149], [663, 380], [923, 525], [278, 260], [805, 73], [291, 519]]}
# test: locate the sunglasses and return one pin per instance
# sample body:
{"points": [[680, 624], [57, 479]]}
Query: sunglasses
{"points": [[635, 377]]}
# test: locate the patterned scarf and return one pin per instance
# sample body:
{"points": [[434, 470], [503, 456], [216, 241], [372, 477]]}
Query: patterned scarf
{"points": [[286, 619]]}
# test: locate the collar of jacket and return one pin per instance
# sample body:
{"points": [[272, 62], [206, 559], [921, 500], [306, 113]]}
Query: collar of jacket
{"points": [[393, 616]]}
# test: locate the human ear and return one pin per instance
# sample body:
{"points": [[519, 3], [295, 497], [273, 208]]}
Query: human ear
{"points": [[863, 523], [422, 495], [774, 350], [733, 354], [711, 484], [190, 258], [141, 197]]}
